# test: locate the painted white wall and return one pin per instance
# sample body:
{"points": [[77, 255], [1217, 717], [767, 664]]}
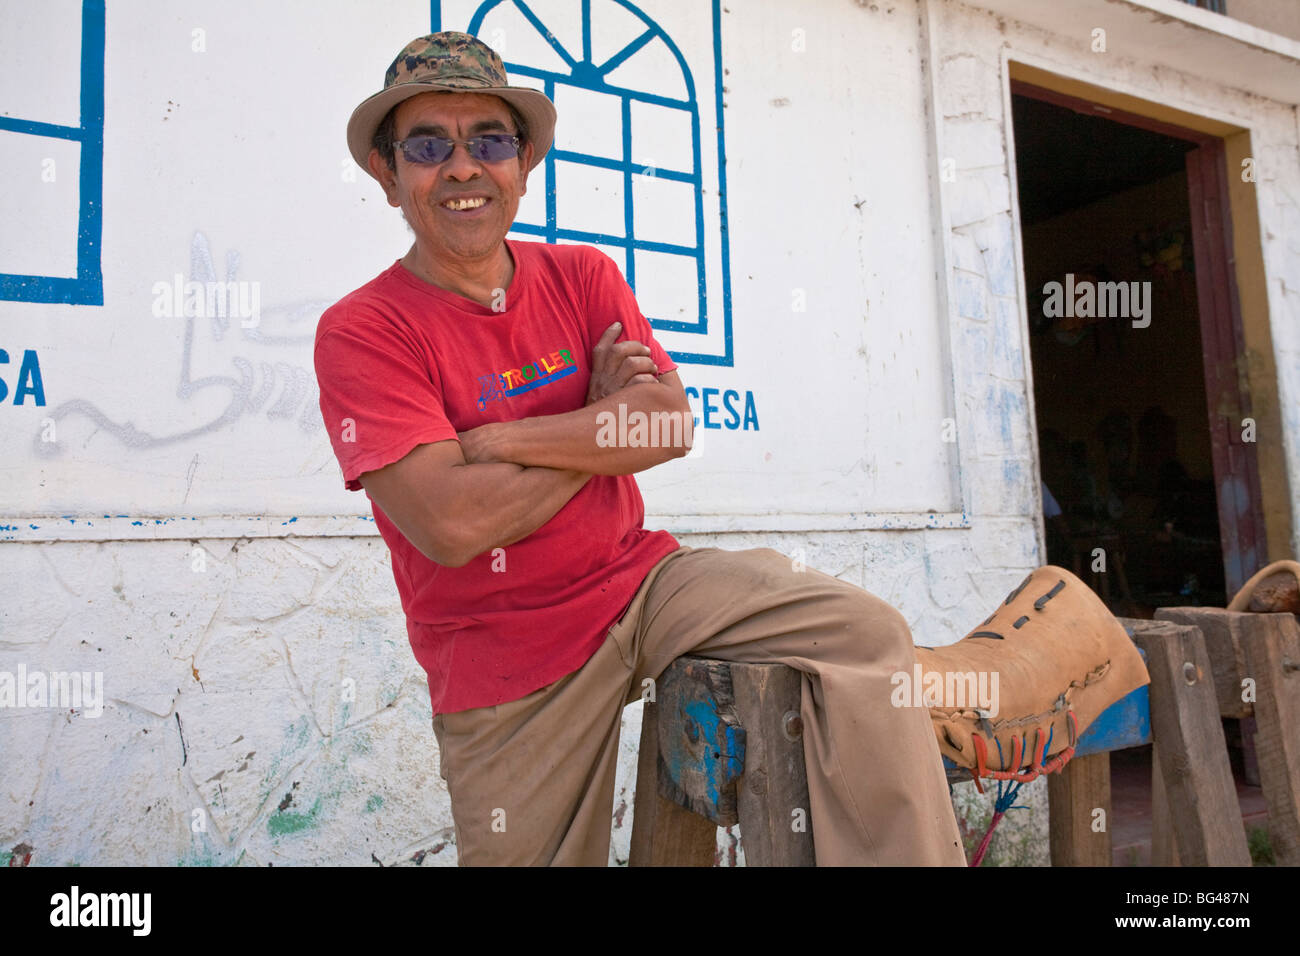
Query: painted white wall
{"points": [[234, 158], [227, 638]]}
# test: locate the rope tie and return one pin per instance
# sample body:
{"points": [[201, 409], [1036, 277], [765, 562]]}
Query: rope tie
{"points": [[1005, 799]]}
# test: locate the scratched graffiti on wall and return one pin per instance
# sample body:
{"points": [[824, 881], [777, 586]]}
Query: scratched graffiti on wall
{"points": [[258, 380]]}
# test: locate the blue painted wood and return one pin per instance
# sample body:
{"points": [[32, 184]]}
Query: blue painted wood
{"points": [[1125, 723], [701, 742], [719, 761]]}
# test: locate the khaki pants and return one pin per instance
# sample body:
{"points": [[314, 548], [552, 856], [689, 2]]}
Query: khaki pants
{"points": [[532, 780]]}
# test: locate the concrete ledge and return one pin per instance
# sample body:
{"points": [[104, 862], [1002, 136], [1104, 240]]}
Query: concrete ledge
{"points": [[161, 528], [1210, 46]]}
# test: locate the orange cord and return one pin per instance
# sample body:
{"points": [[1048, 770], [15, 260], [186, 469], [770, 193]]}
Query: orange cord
{"points": [[1035, 769]]}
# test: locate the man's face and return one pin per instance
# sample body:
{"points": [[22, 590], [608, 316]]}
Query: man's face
{"points": [[423, 191]]}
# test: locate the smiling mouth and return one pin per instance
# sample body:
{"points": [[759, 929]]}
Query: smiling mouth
{"points": [[460, 205]]}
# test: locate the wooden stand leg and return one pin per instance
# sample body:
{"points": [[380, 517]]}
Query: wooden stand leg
{"points": [[663, 833], [1164, 847], [1249, 757], [772, 795], [1082, 786], [1272, 650], [1188, 735]]}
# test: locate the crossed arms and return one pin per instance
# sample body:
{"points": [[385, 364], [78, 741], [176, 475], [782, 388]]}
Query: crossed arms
{"points": [[498, 483]]}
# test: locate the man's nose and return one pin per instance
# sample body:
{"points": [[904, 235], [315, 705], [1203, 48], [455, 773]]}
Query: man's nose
{"points": [[460, 164]]}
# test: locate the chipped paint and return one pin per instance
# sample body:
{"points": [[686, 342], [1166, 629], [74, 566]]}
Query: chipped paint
{"points": [[20, 855], [284, 822]]}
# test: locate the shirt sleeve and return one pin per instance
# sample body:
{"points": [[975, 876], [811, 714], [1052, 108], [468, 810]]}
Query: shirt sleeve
{"points": [[610, 299], [379, 398]]}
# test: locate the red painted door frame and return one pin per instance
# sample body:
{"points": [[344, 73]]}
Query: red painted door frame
{"points": [[1236, 468]]}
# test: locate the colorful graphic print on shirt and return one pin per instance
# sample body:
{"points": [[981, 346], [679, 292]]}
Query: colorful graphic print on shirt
{"points": [[545, 370]]}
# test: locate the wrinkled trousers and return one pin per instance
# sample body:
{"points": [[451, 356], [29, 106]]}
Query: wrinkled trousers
{"points": [[532, 780]]}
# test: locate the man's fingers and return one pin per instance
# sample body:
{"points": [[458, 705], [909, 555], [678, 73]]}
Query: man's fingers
{"points": [[635, 365], [615, 365], [608, 355], [602, 347], [603, 358], [630, 347], [607, 345]]}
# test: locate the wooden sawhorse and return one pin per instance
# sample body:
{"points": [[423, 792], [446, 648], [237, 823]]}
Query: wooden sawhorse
{"points": [[722, 744]]}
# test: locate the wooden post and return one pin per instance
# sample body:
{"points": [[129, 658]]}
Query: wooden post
{"points": [[1272, 650], [1164, 846], [721, 744], [1082, 787], [1249, 758], [663, 833], [772, 794], [1188, 735], [1222, 631]]}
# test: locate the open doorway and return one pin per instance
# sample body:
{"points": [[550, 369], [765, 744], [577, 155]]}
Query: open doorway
{"points": [[1144, 418], [1146, 466]]}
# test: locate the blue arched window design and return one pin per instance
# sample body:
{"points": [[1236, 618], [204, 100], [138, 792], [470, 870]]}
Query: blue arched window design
{"points": [[87, 287], [582, 72]]}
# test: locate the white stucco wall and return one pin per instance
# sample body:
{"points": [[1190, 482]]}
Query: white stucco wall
{"points": [[261, 702]]}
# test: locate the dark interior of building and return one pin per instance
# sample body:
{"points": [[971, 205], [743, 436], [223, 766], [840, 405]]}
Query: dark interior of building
{"points": [[1123, 425]]}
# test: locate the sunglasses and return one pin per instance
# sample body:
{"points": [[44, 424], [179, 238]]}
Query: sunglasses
{"points": [[431, 150]]}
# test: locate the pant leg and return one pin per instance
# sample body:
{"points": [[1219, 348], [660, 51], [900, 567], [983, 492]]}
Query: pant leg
{"points": [[876, 786], [532, 780]]}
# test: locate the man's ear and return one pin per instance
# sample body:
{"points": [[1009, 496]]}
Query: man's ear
{"points": [[387, 177], [525, 163]]}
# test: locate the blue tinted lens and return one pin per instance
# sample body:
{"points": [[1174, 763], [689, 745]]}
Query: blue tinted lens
{"points": [[427, 149], [493, 147]]}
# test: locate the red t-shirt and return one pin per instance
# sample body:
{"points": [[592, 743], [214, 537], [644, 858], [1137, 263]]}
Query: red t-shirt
{"points": [[400, 363]]}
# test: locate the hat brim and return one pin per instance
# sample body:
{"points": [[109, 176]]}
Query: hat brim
{"points": [[535, 107]]}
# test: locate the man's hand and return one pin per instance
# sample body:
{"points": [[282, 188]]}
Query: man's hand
{"points": [[476, 444], [616, 365]]}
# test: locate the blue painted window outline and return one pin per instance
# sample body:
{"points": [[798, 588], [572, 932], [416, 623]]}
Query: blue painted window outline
{"points": [[586, 75], [88, 286]]}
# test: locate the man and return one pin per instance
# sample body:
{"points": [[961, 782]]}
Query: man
{"points": [[464, 389]]}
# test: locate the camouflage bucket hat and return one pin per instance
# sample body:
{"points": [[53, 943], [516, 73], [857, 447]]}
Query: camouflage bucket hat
{"points": [[454, 63]]}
